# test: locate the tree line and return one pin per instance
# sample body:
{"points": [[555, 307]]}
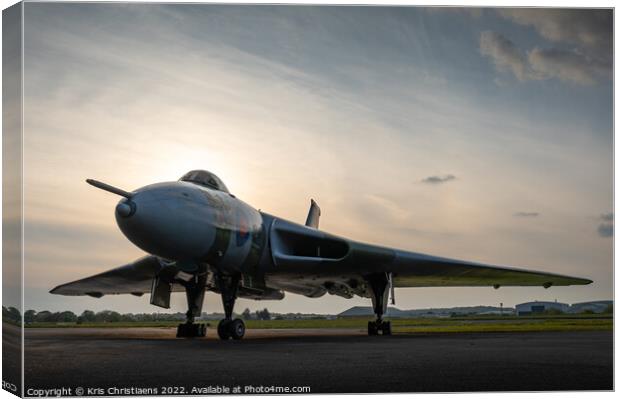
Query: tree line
{"points": [[104, 316], [12, 314]]}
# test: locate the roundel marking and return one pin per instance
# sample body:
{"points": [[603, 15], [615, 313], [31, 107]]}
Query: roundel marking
{"points": [[243, 231]]}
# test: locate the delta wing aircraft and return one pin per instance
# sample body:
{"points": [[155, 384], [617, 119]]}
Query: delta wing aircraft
{"points": [[199, 237]]}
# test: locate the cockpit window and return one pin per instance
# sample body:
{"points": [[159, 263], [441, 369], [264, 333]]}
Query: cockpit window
{"points": [[204, 178]]}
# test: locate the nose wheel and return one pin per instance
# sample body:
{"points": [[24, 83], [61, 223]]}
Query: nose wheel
{"points": [[234, 329], [229, 328]]}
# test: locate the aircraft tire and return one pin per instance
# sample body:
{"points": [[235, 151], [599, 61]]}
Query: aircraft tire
{"points": [[237, 329], [372, 328], [191, 330], [223, 329], [202, 330], [182, 330], [386, 328]]}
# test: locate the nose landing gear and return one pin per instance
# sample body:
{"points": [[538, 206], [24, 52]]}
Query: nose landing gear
{"points": [[228, 328], [234, 329], [195, 290]]}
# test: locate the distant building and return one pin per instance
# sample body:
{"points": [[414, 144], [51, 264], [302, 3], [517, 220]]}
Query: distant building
{"points": [[536, 307], [594, 306], [366, 311]]}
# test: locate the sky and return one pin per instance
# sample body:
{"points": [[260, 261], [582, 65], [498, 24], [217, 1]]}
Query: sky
{"points": [[478, 134]]}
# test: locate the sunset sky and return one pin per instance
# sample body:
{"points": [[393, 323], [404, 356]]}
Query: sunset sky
{"points": [[477, 134]]}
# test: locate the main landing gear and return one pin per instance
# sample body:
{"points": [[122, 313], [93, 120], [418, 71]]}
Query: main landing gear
{"points": [[379, 284], [195, 292], [228, 328], [374, 327]]}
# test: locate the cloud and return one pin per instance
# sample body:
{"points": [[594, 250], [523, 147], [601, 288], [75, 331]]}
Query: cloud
{"points": [[504, 54], [606, 228], [569, 66], [538, 64], [588, 32], [589, 29], [438, 179], [522, 214]]}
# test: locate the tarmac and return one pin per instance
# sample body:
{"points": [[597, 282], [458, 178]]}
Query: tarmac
{"points": [[121, 361]]}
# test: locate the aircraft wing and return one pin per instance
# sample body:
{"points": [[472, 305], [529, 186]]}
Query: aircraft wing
{"points": [[299, 249], [137, 278], [419, 270], [133, 278]]}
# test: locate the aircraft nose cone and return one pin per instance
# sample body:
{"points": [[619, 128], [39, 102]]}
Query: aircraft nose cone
{"points": [[162, 222], [125, 208]]}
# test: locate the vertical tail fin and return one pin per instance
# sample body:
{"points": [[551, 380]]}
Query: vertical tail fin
{"points": [[313, 215]]}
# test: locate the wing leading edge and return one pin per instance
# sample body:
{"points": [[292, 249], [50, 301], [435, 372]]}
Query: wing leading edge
{"points": [[133, 278]]}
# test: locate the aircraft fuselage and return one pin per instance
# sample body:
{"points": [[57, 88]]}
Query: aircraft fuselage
{"points": [[185, 222]]}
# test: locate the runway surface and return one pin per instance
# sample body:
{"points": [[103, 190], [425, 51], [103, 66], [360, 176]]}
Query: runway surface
{"points": [[325, 360]]}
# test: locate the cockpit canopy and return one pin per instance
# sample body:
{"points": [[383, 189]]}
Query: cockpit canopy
{"points": [[204, 178]]}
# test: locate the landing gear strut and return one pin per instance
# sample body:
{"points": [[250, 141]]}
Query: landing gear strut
{"points": [[228, 328], [380, 284], [195, 292]]}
